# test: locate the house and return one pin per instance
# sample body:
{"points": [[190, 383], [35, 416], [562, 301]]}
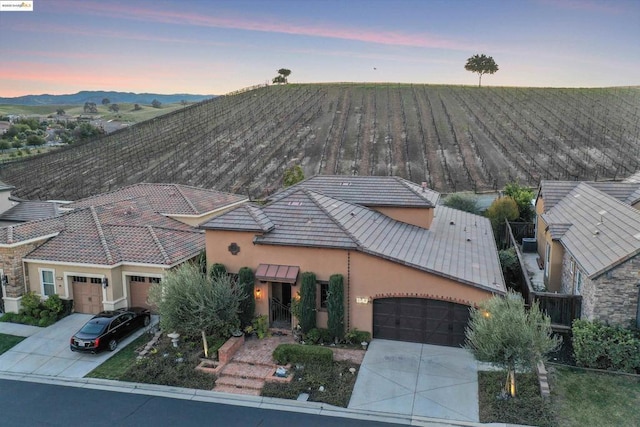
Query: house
{"points": [[104, 252], [588, 241], [411, 269]]}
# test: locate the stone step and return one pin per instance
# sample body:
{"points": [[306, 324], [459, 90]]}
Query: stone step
{"points": [[245, 370], [239, 382], [235, 390]]}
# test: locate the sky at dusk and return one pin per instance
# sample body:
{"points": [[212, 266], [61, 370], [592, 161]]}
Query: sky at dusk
{"points": [[214, 47]]}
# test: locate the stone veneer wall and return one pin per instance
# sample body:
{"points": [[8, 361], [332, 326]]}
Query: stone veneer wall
{"points": [[11, 263], [611, 297]]}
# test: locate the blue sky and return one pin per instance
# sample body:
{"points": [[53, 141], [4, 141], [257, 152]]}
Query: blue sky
{"points": [[215, 46]]}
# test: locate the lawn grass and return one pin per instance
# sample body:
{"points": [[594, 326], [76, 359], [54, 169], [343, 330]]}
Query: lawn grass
{"points": [[116, 367], [528, 407], [8, 341], [587, 398]]}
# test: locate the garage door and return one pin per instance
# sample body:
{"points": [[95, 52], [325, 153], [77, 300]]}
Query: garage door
{"points": [[420, 320], [87, 295], [139, 290]]}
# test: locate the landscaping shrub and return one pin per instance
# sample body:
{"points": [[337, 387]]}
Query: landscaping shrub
{"points": [[296, 353], [335, 306], [29, 303], [354, 336], [318, 335], [463, 202], [217, 269], [308, 302], [596, 345], [246, 281], [35, 312]]}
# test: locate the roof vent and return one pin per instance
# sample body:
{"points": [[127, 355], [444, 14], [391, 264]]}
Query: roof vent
{"points": [[452, 223], [637, 236], [345, 183], [293, 203], [352, 213], [424, 185]]}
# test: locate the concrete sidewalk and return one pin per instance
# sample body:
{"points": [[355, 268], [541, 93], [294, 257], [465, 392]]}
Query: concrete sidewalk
{"points": [[18, 329], [418, 380]]}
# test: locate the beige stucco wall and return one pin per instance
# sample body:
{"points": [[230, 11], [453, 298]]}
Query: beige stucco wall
{"points": [[421, 217], [116, 295], [553, 283], [365, 276], [5, 203]]}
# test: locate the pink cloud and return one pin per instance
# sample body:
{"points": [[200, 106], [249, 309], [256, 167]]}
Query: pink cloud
{"points": [[326, 31]]}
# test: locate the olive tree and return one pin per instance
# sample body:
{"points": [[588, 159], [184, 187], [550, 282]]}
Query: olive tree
{"points": [[504, 333], [190, 302], [481, 64]]}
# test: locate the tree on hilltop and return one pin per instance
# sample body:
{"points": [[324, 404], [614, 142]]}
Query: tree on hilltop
{"points": [[106, 101], [481, 64], [282, 76], [114, 107], [156, 104]]}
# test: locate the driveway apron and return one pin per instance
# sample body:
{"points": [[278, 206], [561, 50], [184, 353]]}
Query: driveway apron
{"points": [[47, 351], [418, 380]]}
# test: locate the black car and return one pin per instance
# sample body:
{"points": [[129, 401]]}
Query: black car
{"points": [[105, 329]]}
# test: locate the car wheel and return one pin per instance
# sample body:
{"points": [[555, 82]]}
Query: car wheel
{"points": [[147, 320], [113, 344]]}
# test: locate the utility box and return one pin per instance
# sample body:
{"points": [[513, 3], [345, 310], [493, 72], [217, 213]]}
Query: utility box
{"points": [[529, 244]]}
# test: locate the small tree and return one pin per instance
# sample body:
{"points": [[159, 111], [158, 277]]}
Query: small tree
{"points": [[156, 104], [137, 107], [463, 202], [90, 107], [60, 111], [292, 175], [335, 306], [106, 101], [217, 269], [246, 281], [282, 77], [503, 332], [114, 107], [523, 197], [190, 302], [481, 64], [502, 208], [307, 302]]}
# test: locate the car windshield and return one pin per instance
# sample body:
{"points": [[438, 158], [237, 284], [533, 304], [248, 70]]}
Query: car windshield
{"points": [[93, 328]]}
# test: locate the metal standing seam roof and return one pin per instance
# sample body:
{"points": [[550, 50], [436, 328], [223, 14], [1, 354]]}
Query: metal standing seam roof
{"points": [[277, 273], [464, 251], [604, 231], [378, 191]]}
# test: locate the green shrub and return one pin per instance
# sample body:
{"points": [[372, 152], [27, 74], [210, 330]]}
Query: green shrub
{"points": [[217, 269], [296, 353], [67, 308], [308, 302], [44, 322], [463, 201], [54, 305], [260, 325], [596, 345], [335, 307], [9, 317], [246, 281], [313, 336], [354, 336], [30, 302]]}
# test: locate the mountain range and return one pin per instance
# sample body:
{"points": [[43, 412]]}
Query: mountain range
{"points": [[98, 95]]}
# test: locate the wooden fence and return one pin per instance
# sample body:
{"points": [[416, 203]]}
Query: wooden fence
{"points": [[561, 308]]}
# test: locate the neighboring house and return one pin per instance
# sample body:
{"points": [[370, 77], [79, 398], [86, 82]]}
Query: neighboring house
{"points": [[411, 270], [588, 238], [29, 210], [104, 252]]}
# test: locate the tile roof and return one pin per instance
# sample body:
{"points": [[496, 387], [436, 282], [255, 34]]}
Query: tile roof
{"points": [[372, 191], [170, 199], [6, 187], [603, 231], [464, 251], [554, 191], [245, 218], [633, 178], [30, 210]]}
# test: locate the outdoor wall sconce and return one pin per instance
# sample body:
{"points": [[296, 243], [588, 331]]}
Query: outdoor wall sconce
{"points": [[258, 293], [105, 283], [5, 280]]}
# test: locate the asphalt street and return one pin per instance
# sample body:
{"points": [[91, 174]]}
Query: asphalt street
{"points": [[35, 404]]}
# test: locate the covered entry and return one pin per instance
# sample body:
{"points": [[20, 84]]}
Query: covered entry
{"points": [[87, 294], [420, 320], [282, 277]]}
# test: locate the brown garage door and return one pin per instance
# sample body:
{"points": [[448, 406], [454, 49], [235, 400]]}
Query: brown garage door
{"points": [[139, 289], [87, 295], [420, 320]]}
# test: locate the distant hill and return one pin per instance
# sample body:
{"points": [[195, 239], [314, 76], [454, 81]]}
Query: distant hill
{"points": [[454, 138], [98, 95]]}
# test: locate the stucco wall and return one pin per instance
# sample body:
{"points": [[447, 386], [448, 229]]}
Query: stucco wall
{"points": [[421, 217], [366, 277]]}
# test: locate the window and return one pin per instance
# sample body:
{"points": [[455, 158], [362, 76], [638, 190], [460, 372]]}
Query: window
{"points": [[96, 280], [324, 293], [79, 279], [138, 279], [577, 282], [154, 279], [47, 280]]}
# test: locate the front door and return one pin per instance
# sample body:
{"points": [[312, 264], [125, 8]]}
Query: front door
{"points": [[280, 305]]}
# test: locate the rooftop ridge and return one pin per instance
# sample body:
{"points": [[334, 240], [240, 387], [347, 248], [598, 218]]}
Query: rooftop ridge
{"points": [[250, 211], [10, 234], [103, 239], [413, 190], [313, 194], [167, 260], [186, 199]]}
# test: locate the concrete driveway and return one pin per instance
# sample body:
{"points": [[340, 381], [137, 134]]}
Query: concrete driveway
{"points": [[46, 352], [418, 380]]}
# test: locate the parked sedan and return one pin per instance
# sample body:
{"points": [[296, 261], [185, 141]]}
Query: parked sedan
{"points": [[105, 329]]}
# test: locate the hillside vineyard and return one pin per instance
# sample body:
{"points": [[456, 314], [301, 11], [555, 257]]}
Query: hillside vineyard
{"points": [[452, 137]]}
